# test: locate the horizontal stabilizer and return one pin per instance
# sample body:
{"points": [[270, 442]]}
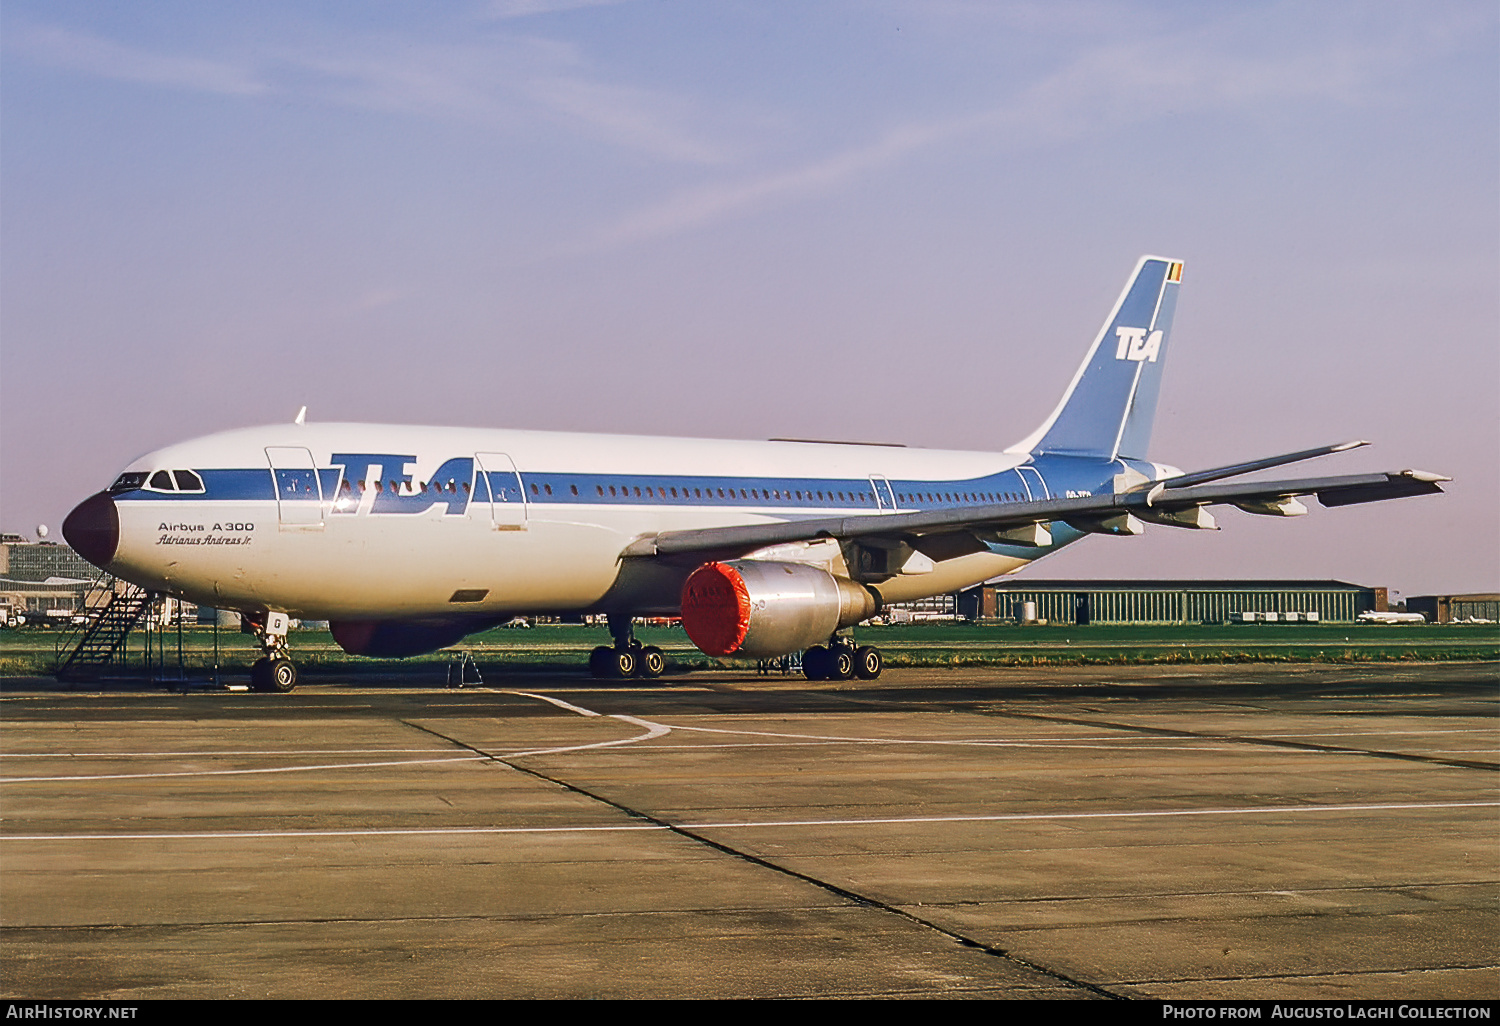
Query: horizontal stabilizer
{"points": [[1331, 491], [1236, 469]]}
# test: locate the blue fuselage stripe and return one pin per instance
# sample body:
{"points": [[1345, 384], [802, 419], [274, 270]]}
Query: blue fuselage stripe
{"points": [[1057, 475]]}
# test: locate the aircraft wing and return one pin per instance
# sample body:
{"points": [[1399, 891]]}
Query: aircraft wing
{"points": [[949, 533]]}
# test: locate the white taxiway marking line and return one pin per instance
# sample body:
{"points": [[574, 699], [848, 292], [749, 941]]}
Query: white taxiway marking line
{"points": [[804, 739], [653, 730], [1155, 743], [580, 710], [1252, 810], [1052, 743], [243, 772], [1385, 733], [211, 754]]}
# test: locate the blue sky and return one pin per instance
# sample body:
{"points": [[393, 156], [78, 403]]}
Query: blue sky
{"points": [[897, 221]]}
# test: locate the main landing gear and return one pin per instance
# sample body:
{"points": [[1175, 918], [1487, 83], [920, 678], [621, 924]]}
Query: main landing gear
{"points": [[273, 671], [628, 657], [841, 660]]}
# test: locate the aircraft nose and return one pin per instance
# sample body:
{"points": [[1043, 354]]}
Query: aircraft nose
{"points": [[93, 529]]}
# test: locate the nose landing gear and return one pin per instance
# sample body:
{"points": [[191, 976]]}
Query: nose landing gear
{"points": [[275, 670], [273, 673]]}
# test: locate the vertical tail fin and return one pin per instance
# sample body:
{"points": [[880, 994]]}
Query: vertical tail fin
{"points": [[1110, 404]]}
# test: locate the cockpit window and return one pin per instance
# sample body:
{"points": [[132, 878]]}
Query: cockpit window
{"points": [[187, 481], [162, 481], [128, 482]]}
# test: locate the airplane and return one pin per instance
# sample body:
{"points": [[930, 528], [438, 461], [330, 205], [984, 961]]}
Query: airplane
{"points": [[1372, 616], [407, 539]]}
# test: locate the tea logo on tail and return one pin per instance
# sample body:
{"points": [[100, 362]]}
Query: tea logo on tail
{"points": [[1135, 344]]}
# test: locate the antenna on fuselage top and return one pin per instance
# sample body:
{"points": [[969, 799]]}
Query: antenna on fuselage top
{"points": [[301, 416]]}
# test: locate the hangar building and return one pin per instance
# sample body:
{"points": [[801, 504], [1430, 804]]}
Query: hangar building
{"points": [[1456, 608], [1164, 602]]}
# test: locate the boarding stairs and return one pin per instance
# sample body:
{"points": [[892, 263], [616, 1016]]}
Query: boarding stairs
{"points": [[114, 609]]}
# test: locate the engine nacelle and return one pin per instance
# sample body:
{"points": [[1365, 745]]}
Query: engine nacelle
{"points": [[761, 609], [396, 639]]}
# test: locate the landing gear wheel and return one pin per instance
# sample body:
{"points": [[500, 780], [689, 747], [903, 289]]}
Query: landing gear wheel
{"points": [[622, 662], [651, 662], [842, 659], [282, 675], [599, 662], [815, 663], [867, 662], [260, 674], [606, 663]]}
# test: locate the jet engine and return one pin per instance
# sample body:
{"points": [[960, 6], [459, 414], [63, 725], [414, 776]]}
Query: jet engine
{"points": [[761, 609]]}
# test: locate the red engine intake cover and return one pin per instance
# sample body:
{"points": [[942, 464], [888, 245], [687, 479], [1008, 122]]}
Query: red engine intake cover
{"points": [[716, 609]]}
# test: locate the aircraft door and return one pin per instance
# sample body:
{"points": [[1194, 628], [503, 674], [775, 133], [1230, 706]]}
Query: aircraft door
{"points": [[1036, 488], [884, 497], [299, 493], [499, 484]]}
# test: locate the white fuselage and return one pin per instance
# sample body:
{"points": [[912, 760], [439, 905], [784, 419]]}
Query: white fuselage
{"points": [[378, 522]]}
